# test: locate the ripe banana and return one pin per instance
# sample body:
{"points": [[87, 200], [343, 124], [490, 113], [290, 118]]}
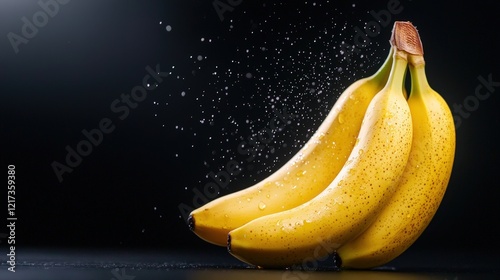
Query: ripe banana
{"points": [[304, 176], [351, 202], [422, 185]]}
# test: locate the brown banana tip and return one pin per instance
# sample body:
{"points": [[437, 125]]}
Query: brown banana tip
{"points": [[190, 222], [337, 261], [405, 37], [229, 243]]}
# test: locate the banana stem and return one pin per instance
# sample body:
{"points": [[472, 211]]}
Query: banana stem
{"points": [[383, 72], [419, 83], [398, 70], [408, 47], [416, 60]]}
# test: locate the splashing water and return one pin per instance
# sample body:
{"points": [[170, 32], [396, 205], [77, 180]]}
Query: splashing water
{"points": [[290, 56]]}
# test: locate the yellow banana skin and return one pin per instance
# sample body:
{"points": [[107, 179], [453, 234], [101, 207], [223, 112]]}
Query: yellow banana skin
{"points": [[351, 202], [422, 185], [304, 176]]}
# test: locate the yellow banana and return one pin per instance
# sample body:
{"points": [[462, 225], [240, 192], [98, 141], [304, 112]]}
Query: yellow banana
{"points": [[304, 176], [351, 202], [422, 185]]}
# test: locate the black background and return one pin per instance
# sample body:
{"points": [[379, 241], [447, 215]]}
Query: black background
{"points": [[126, 193]]}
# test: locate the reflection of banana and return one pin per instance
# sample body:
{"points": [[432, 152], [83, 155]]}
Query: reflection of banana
{"points": [[273, 274], [423, 183], [354, 198], [301, 178]]}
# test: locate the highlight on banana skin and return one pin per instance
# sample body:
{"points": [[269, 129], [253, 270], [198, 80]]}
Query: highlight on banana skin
{"points": [[362, 189]]}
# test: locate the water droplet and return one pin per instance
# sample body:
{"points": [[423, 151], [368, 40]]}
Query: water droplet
{"points": [[339, 200], [168, 28], [262, 205], [341, 118], [301, 173]]}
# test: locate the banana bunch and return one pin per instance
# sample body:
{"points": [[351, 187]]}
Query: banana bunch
{"points": [[364, 187], [304, 176]]}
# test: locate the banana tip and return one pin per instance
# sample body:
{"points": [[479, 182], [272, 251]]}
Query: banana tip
{"points": [[337, 261], [190, 222], [229, 243]]}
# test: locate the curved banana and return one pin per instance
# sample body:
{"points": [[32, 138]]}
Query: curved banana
{"points": [[354, 198], [422, 185], [304, 176]]}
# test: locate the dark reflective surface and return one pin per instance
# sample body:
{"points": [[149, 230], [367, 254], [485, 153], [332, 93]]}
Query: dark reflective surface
{"points": [[127, 265]]}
